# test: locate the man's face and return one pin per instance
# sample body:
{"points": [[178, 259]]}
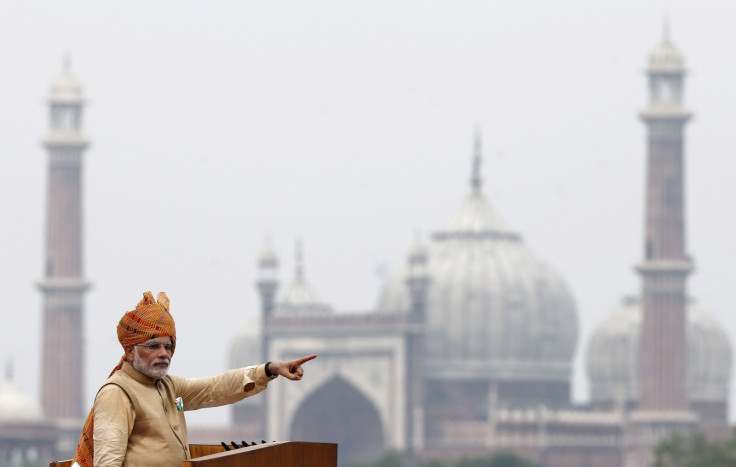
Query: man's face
{"points": [[151, 358]]}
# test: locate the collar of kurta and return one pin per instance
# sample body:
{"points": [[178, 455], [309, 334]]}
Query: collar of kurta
{"points": [[137, 375]]}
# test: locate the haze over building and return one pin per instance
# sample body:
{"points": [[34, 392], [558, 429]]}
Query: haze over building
{"points": [[469, 348], [471, 345]]}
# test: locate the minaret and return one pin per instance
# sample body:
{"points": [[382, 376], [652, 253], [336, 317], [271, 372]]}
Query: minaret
{"points": [[666, 266], [267, 285], [417, 281], [476, 182], [63, 286], [299, 262]]}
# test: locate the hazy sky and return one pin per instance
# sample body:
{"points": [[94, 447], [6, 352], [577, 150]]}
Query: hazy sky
{"points": [[215, 125]]}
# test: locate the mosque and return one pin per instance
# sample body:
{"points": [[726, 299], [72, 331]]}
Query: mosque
{"points": [[469, 349]]}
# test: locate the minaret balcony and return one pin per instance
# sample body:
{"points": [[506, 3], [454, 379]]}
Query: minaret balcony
{"points": [[65, 138], [665, 111], [58, 284], [681, 267]]}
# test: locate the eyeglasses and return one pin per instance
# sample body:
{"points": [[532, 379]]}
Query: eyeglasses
{"points": [[155, 346]]}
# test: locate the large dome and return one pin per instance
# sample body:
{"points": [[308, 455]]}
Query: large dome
{"points": [[492, 304], [613, 356]]}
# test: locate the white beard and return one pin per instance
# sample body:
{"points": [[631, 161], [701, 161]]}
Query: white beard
{"points": [[150, 370]]}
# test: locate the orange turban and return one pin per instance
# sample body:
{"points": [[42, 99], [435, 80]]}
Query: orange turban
{"points": [[149, 320]]}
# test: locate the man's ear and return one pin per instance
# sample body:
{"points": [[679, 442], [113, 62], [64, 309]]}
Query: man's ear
{"points": [[129, 352]]}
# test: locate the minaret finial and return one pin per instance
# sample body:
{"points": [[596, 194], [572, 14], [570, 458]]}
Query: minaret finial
{"points": [[268, 260], [67, 61], [299, 269], [475, 180]]}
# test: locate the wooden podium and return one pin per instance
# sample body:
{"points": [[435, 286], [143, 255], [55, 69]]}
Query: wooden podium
{"points": [[282, 454]]}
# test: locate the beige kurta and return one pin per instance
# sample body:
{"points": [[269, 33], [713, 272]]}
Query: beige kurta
{"points": [[137, 422]]}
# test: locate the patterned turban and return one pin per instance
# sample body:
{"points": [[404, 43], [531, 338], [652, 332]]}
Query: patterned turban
{"points": [[149, 320]]}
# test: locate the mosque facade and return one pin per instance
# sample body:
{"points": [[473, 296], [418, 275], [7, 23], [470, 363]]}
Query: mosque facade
{"points": [[470, 347]]}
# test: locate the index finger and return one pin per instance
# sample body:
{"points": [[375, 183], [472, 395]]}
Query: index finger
{"points": [[299, 361]]}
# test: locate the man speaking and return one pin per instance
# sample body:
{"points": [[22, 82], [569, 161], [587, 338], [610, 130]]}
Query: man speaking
{"points": [[138, 414]]}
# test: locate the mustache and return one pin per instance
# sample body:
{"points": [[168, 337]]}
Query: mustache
{"points": [[161, 360]]}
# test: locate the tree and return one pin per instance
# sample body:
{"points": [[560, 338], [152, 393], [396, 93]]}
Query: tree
{"points": [[498, 460], [389, 459], [695, 451], [396, 459]]}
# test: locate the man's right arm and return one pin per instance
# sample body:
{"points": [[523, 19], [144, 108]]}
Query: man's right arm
{"points": [[113, 424]]}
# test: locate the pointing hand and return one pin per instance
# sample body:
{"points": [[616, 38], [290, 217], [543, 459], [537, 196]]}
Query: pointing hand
{"points": [[291, 369]]}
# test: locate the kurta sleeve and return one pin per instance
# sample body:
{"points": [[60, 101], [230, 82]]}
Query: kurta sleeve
{"points": [[113, 423], [227, 388]]}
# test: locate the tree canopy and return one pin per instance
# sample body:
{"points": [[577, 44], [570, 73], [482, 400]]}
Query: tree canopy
{"points": [[695, 450], [396, 459]]}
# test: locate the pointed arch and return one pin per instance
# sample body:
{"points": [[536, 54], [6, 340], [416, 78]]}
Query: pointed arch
{"points": [[339, 413]]}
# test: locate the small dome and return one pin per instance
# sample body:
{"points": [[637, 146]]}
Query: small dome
{"points": [[612, 359], [66, 89], [299, 299], [394, 296], [267, 258], [666, 58], [419, 253], [613, 355], [246, 347], [16, 406]]}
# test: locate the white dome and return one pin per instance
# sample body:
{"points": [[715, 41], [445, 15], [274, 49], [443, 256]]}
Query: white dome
{"points": [[16, 406], [613, 355], [491, 303], [666, 58], [267, 258], [66, 89], [299, 299]]}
